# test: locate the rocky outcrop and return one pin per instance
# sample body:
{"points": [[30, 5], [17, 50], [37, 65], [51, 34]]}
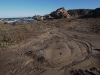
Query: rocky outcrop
{"points": [[60, 13], [93, 14], [96, 12], [85, 13], [76, 13]]}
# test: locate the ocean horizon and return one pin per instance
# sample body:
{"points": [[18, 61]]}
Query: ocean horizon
{"points": [[18, 19]]}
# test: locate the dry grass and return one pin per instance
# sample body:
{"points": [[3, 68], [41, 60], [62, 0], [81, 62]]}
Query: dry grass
{"points": [[12, 34]]}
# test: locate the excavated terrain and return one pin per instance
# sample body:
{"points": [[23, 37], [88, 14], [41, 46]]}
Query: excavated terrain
{"points": [[60, 47]]}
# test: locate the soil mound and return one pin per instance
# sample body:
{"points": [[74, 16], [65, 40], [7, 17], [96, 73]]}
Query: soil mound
{"points": [[58, 49]]}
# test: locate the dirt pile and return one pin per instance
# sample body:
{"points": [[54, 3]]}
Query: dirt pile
{"points": [[58, 49]]}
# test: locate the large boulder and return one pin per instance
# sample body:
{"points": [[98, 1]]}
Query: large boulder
{"points": [[60, 13]]}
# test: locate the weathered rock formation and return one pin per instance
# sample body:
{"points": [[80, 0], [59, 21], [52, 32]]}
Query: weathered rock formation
{"points": [[60, 13], [75, 13]]}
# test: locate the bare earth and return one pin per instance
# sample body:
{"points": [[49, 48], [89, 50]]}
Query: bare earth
{"points": [[63, 47]]}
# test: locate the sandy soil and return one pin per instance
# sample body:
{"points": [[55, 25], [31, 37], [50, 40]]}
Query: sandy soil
{"points": [[64, 49]]}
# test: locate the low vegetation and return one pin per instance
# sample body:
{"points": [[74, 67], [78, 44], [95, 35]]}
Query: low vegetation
{"points": [[12, 34]]}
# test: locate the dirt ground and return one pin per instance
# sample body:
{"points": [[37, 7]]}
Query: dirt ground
{"points": [[56, 47]]}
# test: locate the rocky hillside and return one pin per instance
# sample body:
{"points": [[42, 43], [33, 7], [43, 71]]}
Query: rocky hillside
{"points": [[79, 12], [93, 14], [73, 13], [85, 13]]}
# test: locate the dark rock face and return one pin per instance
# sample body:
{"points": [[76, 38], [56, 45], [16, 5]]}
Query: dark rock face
{"points": [[94, 14], [85, 13], [78, 12], [60, 13]]}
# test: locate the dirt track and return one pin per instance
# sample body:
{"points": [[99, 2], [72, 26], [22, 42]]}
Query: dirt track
{"points": [[57, 51]]}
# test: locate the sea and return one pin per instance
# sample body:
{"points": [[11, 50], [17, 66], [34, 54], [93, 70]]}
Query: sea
{"points": [[10, 20]]}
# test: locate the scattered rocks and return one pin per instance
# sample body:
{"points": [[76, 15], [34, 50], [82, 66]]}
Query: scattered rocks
{"points": [[38, 17], [48, 16]]}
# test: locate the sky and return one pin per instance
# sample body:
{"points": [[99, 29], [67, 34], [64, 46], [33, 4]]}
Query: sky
{"points": [[29, 8]]}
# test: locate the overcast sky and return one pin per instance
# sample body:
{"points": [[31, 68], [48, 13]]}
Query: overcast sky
{"points": [[28, 8]]}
